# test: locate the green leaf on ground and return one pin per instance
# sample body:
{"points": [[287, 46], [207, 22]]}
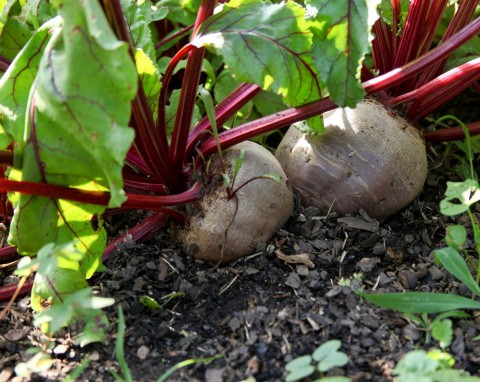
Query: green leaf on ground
{"points": [[328, 356], [442, 331], [456, 265], [456, 237], [419, 302], [459, 196], [299, 368]]}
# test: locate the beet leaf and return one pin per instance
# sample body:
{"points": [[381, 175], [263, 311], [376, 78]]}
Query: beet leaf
{"points": [[342, 35], [73, 132], [266, 44]]}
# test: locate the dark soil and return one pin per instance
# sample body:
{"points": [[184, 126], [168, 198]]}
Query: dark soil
{"points": [[262, 311]]}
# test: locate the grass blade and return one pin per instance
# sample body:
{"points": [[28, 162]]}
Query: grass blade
{"points": [[120, 355], [456, 265], [420, 302], [185, 363]]}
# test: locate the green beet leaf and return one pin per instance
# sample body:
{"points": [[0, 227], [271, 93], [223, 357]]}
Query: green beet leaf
{"points": [[80, 304], [38, 12], [96, 325], [266, 44], [6, 7], [139, 15], [183, 12], [76, 132], [14, 36], [386, 11], [65, 282], [82, 101], [418, 302], [342, 33], [16, 83], [57, 267], [90, 239]]}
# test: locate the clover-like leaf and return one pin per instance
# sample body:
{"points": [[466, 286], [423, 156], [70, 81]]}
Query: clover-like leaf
{"points": [[328, 356], [459, 196], [299, 368]]}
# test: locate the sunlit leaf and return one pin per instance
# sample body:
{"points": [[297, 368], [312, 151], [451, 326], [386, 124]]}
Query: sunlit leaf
{"points": [[266, 44], [342, 35], [38, 12], [459, 196], [5, 8], [76, 132], [95, 327], [16, 83]]}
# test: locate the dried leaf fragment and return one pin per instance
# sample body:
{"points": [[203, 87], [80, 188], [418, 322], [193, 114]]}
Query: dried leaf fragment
{"points": [[301, 258]]}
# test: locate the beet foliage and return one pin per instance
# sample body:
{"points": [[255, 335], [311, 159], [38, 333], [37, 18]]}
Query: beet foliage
{"points": [[99, 108]]}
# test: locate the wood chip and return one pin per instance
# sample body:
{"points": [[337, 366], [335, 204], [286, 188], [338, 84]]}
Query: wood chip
{"points": [[359, 222], [301, 258]]}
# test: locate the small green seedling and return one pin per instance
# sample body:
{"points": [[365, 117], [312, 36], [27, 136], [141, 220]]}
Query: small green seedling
{"points": [[323, 359], [153, 304], [469, 147], [434, 366], [438, 328]]}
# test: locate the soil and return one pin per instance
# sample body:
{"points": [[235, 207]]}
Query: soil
{"points": [[262, 311]]}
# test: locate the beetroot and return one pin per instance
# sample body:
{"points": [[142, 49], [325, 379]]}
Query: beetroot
{"points": [[369, 158], [222, 228]]}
